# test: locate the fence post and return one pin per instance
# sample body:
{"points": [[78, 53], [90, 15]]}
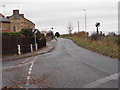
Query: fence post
{"points": [[36, 46], [19, 52], [31, 47]]}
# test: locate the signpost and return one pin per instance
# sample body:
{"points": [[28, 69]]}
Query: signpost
{"points": [[35, 31], [97, 25]]}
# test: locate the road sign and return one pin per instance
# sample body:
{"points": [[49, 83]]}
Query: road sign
{"points": [[97, 24], [35, 31]]}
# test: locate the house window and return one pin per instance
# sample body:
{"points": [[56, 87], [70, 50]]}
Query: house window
{"points": [[14, 28]]}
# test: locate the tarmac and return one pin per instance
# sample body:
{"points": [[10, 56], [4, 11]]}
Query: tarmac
{"points": [[48, 48]]}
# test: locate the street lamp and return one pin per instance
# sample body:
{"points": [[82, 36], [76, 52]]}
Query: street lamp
{"points": [[85, 22], [85, 19]]}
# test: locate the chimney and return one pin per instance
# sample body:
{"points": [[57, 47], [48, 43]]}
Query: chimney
{"points": [[22, 15], [15, 12]]}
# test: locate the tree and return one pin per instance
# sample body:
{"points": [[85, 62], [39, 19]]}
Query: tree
{"points": [[70, 28], [57, 34], [50, 34], [94, 36]]}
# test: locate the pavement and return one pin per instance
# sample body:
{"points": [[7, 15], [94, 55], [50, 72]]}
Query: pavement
{"points": [[49, 47]]}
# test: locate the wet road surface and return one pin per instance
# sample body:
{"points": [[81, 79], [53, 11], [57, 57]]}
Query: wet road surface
{"points": [[67, 66]]}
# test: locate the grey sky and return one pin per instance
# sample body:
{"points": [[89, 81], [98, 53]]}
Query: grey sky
{"points": [[58, 13]]}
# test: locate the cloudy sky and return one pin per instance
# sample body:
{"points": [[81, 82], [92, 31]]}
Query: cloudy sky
{"points": [[58, 13]]}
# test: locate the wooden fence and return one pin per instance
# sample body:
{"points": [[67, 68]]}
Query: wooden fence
{"points": [[10, 44]]}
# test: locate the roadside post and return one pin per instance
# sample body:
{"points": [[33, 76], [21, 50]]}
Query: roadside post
{"points": [[97, 25], [35, 32], [31, 47], [36, 46], [19, 51]]}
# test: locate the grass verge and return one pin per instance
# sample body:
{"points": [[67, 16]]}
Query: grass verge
{"points": [[96, 47]]}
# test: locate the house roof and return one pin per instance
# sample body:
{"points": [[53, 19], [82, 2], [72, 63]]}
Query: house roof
{"points": [[3, 18], [16, 12]]}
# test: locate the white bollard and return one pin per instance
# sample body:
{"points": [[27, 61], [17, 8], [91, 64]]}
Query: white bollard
{"points": [[31, 47], [36, 46], [19, 52]]}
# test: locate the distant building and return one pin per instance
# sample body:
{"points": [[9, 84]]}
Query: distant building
{"points": [[111, 34], [19, 22], [4, 24]]}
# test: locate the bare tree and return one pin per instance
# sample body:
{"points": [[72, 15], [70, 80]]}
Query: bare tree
{"points": [[70, 28]]}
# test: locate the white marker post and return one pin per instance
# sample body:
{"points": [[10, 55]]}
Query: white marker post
{"points": [[31, 47], [19, 52], [36, 46]]}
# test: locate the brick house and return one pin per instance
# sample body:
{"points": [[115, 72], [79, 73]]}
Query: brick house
{"points": [[4, 24], [19, 22]]}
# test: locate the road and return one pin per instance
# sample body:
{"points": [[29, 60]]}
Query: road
{"points": [[67, 66]]}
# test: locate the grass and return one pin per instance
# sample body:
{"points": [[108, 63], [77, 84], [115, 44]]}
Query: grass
{"points": [[105, 46]]}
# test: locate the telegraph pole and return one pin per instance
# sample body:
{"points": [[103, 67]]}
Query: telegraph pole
{"points": [[78, 27], [3, 7], [85, 20], [85, 24]]}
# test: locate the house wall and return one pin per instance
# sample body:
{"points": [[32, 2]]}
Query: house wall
{"points": [[4, 26], [19, 22]]}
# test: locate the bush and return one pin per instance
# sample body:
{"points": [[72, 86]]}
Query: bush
{"points": [[10, 34], [118, 40], [94, 36], [27, 32], [40, 36]]}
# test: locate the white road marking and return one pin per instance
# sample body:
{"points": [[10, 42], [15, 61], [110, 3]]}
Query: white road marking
{"points": [[25, 63], [16, 65], [28, 77], [30, 71], [101, 81], [30, 68], [21, 64]]}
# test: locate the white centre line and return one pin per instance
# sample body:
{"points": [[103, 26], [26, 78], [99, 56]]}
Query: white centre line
{"points": [[30, 71], [101, 81], [21, 64]]}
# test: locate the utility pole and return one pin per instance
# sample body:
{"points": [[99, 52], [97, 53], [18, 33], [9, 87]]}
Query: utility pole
{"points": [[3, 7], [78, 27], [85, 20], [85, 24]]}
